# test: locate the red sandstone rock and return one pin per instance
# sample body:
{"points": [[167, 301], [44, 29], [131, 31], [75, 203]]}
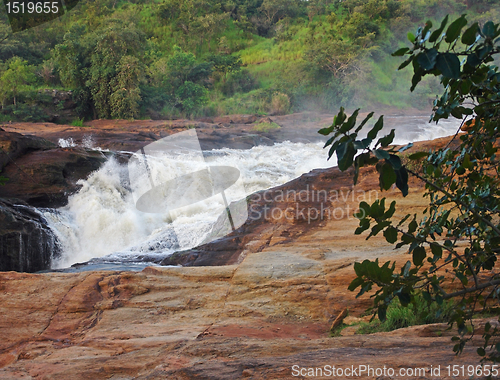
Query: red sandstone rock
{"points": [[268, 311]]}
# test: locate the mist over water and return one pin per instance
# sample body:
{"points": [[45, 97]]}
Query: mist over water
{"points": [[101, 220]]}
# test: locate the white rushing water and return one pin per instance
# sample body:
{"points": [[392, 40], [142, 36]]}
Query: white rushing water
{"points": [[101, 220]]}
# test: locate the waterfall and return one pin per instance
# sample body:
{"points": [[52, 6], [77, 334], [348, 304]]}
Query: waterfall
{"points": [[102, 223]]}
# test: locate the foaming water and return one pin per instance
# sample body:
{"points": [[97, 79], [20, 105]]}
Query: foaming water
{"points": [[101, 221]]}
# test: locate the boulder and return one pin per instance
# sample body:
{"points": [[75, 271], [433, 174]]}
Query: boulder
{"points": [[39, 172], [26, 242], [13, 145]]}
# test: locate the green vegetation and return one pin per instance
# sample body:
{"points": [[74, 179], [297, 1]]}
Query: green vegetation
{"points": [[265, 127], [454, 245], [190, 58], [77, 123], [417, 313]]}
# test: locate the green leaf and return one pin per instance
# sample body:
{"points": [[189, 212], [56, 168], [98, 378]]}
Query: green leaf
{"points": [[371, 269], [405, 271], [391, 235], [415, 80], [484, 51], [387, 176], [467, 162], [412, 227], [382, 313], [449, 65], [406, 63], [469, 36], [368, 117], [358, 281], [437, 251], [473, 59], [330, 141], [427, 296], [455, 28], [333, 149], [376, 128], [364, 210], [364, 224], [345, 155], [400, 52], [411, 37], [390, 212], [419, 255], [437, 33], [404, 298], [425, 31], [350, 122], [418, 155], [388, 139], [402, 180], [340, 117], [381, 154], [489, 29], [395, 161], [458, 112], [481, 351], [326, 131], [427, 59]]}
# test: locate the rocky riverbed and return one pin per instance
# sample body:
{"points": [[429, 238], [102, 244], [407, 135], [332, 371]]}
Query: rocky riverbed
{"points": [[256, 305]]}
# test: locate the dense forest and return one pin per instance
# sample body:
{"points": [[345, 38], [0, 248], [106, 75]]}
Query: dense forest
{"points": [[194, 58]]}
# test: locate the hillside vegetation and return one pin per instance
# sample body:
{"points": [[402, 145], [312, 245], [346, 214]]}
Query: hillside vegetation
{"points": [[194, 58]]}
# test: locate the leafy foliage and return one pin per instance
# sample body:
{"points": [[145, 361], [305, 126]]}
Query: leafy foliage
{"points": [[460, 231], [417, 313], [319, 53], [14, 79]]}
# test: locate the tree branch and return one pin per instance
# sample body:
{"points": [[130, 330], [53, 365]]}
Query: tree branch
{"points": [[471, 290], [474, 212]]}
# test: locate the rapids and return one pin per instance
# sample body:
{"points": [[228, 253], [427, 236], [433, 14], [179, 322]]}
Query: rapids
{"points": [[101, 224]]}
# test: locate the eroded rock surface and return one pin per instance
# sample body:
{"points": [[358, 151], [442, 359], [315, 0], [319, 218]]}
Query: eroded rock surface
{"points": [[257, 318], [268, 309], [254, 320]]}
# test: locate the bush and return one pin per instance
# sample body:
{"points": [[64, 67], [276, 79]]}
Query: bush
{"points": [[77, 123], [24, 112], [415, 314], [239, 81], [265, 126], [253, 102], [280, 104]]}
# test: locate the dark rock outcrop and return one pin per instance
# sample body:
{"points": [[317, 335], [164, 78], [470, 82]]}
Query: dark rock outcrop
{"points": [[39, 172], [13, 145], [223, 251], [26, 242]]}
